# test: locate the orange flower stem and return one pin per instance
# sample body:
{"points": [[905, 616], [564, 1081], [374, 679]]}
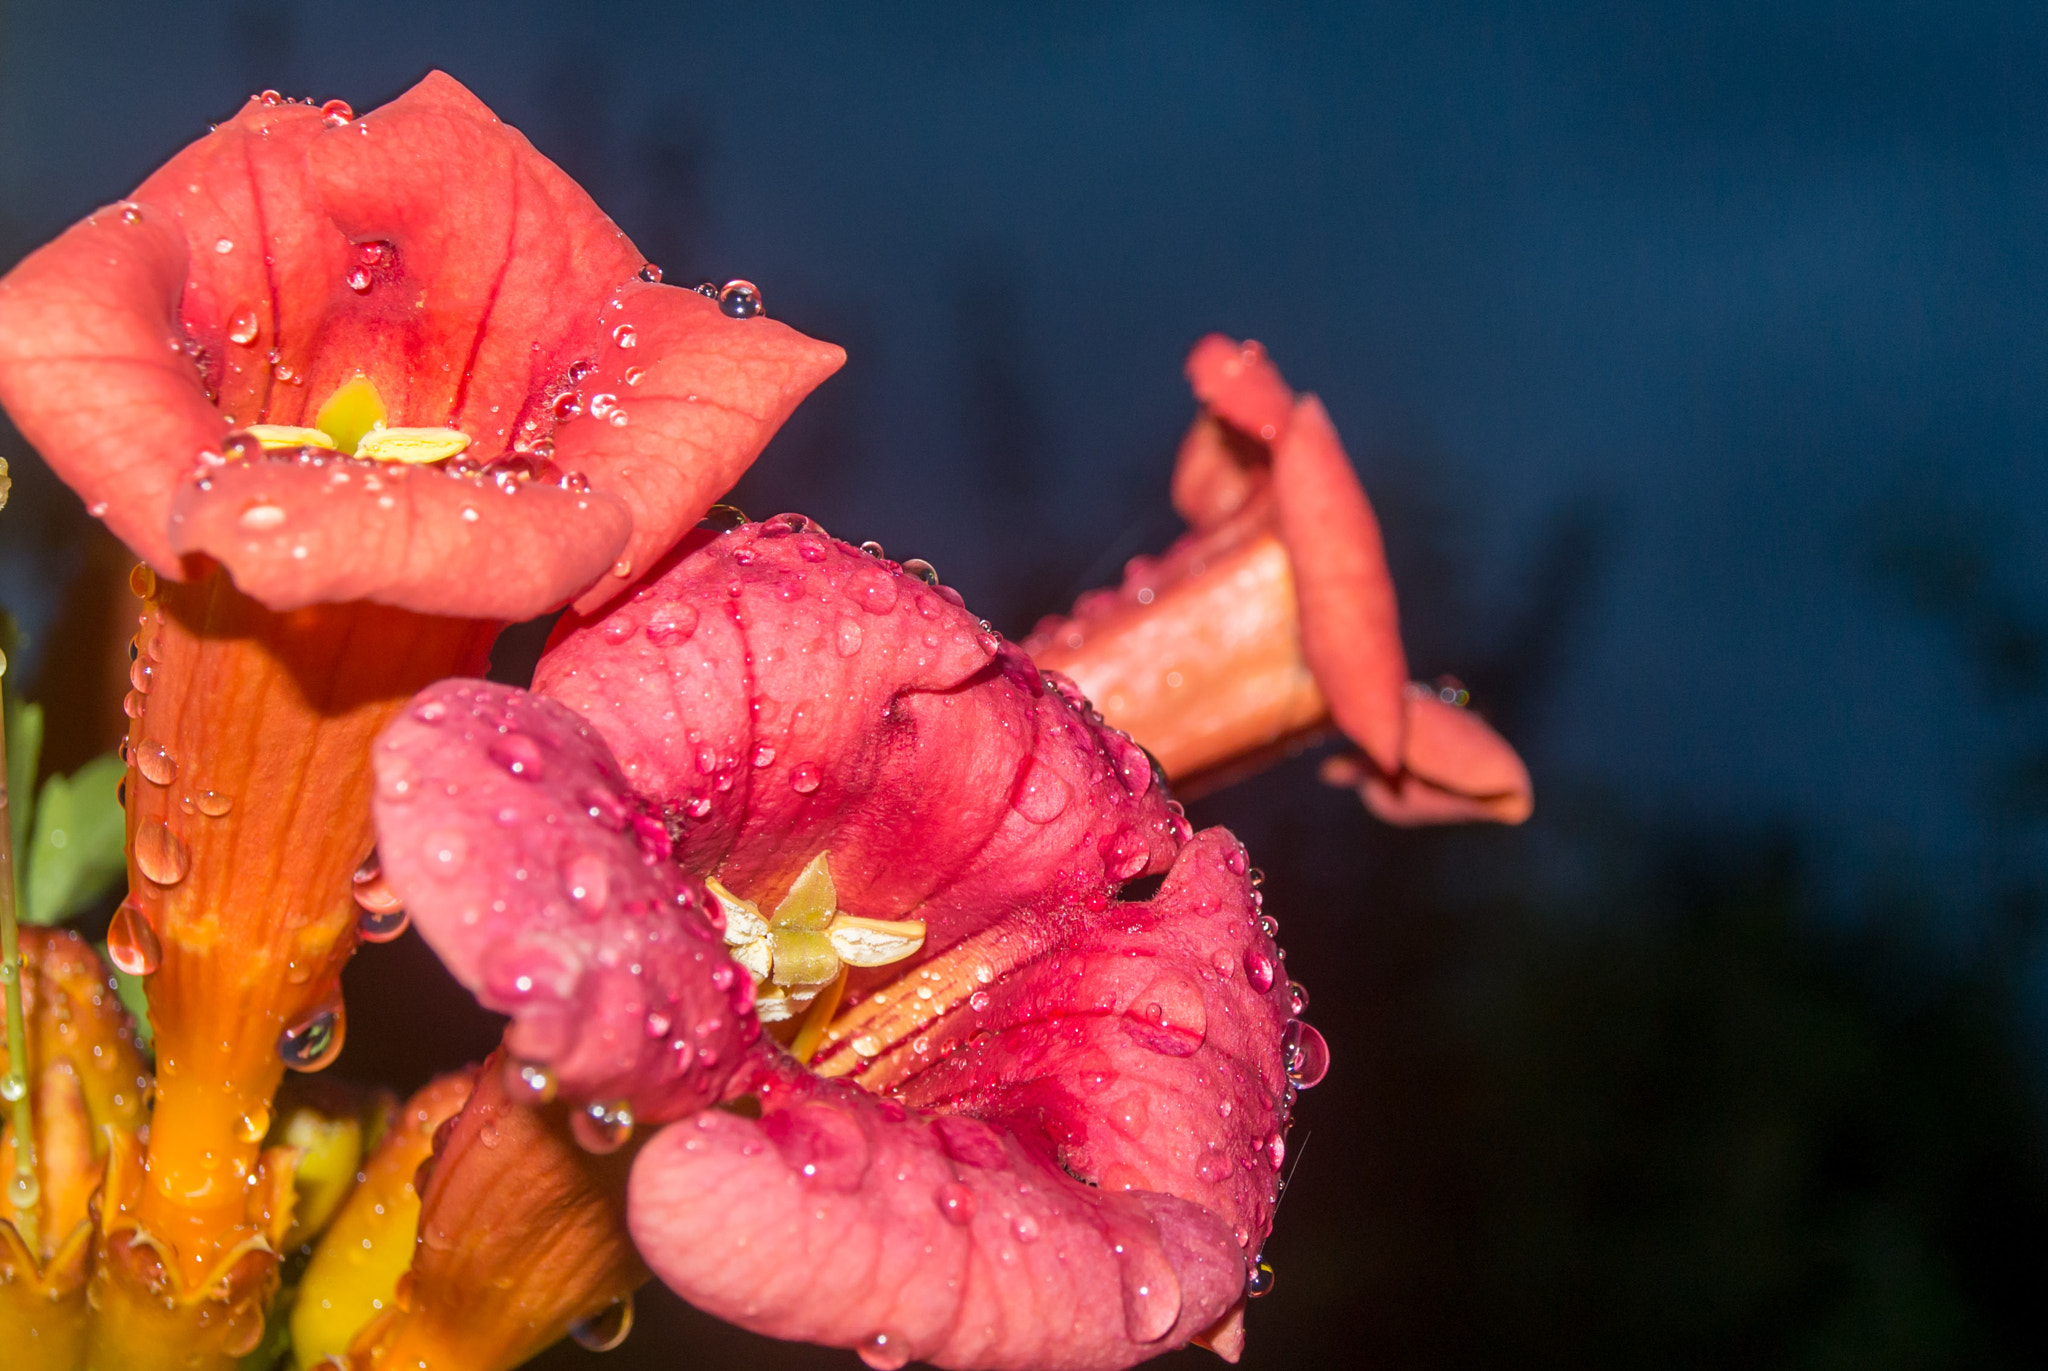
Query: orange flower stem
{"points": [[248, 812], [22, 1191]]}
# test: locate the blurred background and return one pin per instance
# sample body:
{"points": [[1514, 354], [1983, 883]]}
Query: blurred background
{"points": [[1695, 364]]}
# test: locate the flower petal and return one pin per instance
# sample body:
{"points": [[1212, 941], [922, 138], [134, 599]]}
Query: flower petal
{"points": [[1240, 385], [506, 827], [326, 529], [787, 695], [1073, 1206], [1455, 769], [692, 403], [89, 343], [1350, 628]]}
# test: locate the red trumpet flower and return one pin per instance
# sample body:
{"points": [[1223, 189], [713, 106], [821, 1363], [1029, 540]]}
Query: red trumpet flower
{"points": [[469, 397], [1274, 617], [1023, 1093]]}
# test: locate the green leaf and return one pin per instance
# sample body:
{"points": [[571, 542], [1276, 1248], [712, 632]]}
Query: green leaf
{"points": [[77, 852]]}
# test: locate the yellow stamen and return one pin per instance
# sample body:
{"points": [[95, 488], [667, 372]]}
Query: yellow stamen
{"points": [[822, 1009], [411, 445], [806, 945], [274, 436], [351, 412]]}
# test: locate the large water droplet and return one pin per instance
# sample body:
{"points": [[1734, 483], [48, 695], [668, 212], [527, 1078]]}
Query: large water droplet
{"points": [[1151, 1290], [806, 778], [672, 623], [156, 763], [358, 279], [723, 518], [1258, 1279], [883, 1353], [923, 570], [1297, 997], [1258, 968], [13, 1086], [381, 926], [159, 855], [24, 1191], [739, 300], [650, 273], [212, 803], [602, 1128], [625, 336], [957, 1203], [846, 638], [605, 1329], [586, 877], [518, 754], [243, 328], [314, 1041], [1306, 1055], [132, 944]]}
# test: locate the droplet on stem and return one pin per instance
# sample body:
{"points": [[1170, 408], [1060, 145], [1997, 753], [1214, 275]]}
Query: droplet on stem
{"points": [[132, 944], [314, 1041]]}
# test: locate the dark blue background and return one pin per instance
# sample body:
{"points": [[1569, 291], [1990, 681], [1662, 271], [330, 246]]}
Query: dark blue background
{"points": [[1695, 363]]}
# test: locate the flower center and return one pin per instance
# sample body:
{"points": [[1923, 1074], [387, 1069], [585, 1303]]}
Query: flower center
{"points": [[353, 422], [799, 954]]}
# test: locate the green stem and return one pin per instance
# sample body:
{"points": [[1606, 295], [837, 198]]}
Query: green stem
{"points": [[25, 1191]]}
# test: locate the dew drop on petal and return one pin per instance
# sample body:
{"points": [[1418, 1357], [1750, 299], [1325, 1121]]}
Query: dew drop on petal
{"points": [[261, 517], [739, 300], [518, 754], [605, 1329], [132, 944], [528, 1081], [957, 1203], [212, 803], [1025, 1226], [159, 856], [314, 1041], [846, 638], [1258, 969], [155, 762], [374, 926], [650, 273], [223, 246], [242, 328], [806, 778], [625, 336], [1305, 1053], [601, 1128], [1258, 1279], [978, 1001], [672, 623], [1297, 997], [723, 518], [883, 1353]]}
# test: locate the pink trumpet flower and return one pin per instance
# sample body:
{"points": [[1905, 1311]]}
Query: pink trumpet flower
{"points": [[954, 1040]]}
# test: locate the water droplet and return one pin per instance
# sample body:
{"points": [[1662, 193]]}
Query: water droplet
{"points": [[155, 761], [568, 406], [764, 755], [131, 214], [223, 246], [1025, 1226], [375, 927], [1043, 794], [358, 279], [1258, 1279], [605, 1329], [625, 336], [1258, 969], [1235, 861], [529, 1082], [336, 113], [1276, 1150], [13, 1086], [650, 273], [872, 548], [254, 1124], [1305, 1053], [956, 1202], [878, 596], [806, 778], [602, 1128], [243, 327], [586, 877], [132, 944], [159, 855], [132, 704], [978, 1001], [24, 1191], [314, 1041], [519, 755], [672, 623], [883, 1353], [1297, 997], [212, 804], [723, 518], [261, 517], [923, 570], [739, 300]]}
